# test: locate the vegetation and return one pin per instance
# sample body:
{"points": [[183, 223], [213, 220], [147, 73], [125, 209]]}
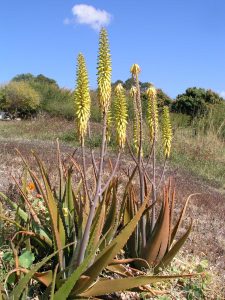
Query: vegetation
{"points": [[68, 236], [196, 101], [19, 99], [54, 100]]}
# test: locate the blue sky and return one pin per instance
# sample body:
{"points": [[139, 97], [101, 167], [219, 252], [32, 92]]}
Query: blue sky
{"points": [[177, 43]]}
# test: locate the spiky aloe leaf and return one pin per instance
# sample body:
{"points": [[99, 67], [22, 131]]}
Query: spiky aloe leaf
{"points": [[112, 220], [43, 277], [48, 196], [18, 290], [96, 228], [3, 217], [65, 290], [166, 260], [23, 215], [157, 245], [54, 282], [109, 252], [107, 286], [130, 211], [112, 213], [177, 226]]}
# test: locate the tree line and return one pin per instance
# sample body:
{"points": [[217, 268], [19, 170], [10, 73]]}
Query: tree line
{"points": [[27, 95]]}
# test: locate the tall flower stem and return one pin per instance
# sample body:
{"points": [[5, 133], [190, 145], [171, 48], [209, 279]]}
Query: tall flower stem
{"points": [[153, 185], [140, 164], [94, 202], [84, 168]]}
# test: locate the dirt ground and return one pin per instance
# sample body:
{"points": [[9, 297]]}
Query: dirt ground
{"points": [[207, 209]]}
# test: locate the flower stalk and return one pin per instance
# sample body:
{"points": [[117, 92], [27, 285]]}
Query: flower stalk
{"points": [[152, 120], [135, 71], [120, 106]]}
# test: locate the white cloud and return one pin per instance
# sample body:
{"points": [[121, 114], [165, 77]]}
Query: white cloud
{"points": [[89, 15], [222, 94]]}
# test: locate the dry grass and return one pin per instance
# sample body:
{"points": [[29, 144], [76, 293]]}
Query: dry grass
{"points": [[203, 154]]}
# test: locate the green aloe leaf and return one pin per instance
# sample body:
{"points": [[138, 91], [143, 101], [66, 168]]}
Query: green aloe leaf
{"points": [[107, 286], [96, 228], [157, 244], [23, 215], [48, 196], [54, 282], [18, 290], [166, 260], [65, 290], [177, 226], [110, 251]]}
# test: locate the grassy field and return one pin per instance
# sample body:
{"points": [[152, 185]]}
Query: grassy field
{"points": [[196, 151]]}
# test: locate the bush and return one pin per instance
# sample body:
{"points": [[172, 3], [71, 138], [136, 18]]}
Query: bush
{"points": [[195, 101], [58, 102], [54, 100], [19, 99]]}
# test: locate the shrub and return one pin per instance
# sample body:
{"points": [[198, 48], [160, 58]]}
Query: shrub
{"points": [[54, 100], [19, 99], [195, 101]]}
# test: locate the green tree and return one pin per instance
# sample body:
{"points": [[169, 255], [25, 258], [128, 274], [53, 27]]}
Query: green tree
{"points": [[23, 77], [19, 99], [28, 77], [163, 99], [195, 101]]}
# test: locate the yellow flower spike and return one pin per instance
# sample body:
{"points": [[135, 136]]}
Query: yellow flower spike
{"points": [[166, 131], [133, 93], [82, 99], [120, 106], [152, 113], [104, 71], [135, 70]]}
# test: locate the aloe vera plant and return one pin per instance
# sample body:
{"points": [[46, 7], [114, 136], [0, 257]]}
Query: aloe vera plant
{"points": [[160, 247], [154, 236], [73, 232], [63, 274]]}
